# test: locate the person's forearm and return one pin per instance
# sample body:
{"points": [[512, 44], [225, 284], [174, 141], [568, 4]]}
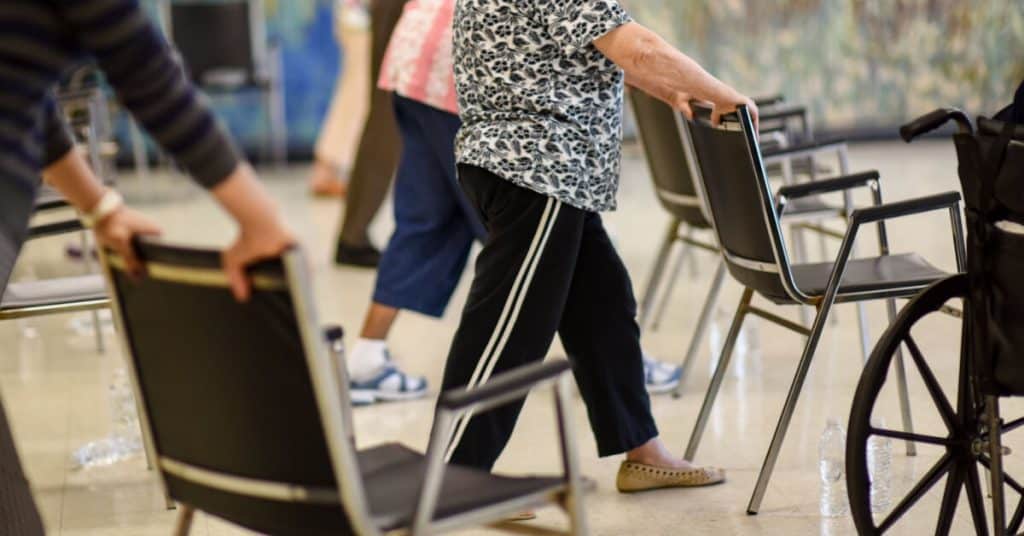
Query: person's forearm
{"points": [[657, 68], [72, 176], [242, 195]]}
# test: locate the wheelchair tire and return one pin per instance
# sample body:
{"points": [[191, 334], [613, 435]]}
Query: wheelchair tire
{"points": [[960, 412]]}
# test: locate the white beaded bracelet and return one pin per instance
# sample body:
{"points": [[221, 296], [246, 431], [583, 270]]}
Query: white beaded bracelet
{"points": [[107, 205]]}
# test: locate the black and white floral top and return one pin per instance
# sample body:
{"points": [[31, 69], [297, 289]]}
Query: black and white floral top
{"points": [[540, 105]]}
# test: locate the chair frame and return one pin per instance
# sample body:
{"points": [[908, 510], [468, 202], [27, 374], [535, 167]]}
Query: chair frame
{"points": [[783, 158], [771, 208], [329, 379]]}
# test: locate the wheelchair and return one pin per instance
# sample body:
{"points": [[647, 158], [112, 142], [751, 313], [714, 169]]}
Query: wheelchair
{"points": [[967, 432]]}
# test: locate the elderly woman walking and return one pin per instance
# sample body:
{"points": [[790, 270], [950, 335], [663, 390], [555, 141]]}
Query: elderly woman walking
{"points": [[540, 88]]}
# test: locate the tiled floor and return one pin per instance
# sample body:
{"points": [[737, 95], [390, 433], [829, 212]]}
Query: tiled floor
{"points": [[55, 384]]}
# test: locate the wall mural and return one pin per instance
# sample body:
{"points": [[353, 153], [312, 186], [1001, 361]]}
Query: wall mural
{"points": [[862, 65]]}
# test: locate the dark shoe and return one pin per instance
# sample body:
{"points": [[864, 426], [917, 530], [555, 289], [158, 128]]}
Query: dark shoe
{"points": [[361, 256]]}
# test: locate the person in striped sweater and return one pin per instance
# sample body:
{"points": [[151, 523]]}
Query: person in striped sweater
{"points": [[40, 40]]}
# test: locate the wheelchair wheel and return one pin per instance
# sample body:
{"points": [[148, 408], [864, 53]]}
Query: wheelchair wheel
{"points": [[952, 446]]}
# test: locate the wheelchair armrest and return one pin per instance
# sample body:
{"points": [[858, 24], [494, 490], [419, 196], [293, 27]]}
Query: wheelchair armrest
{"points": [[511, 384], [824, 186], [803, 149], [905, 208]]}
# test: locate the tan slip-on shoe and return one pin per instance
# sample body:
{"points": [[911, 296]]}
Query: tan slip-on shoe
{"points": [[635, 476]]}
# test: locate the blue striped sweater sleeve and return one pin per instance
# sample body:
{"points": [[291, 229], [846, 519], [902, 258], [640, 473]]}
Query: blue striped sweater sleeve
{"points": [[139, 64]]}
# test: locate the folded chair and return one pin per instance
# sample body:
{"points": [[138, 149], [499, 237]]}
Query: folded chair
{"points": [[745, 215], [672, 173], [247, 416]]}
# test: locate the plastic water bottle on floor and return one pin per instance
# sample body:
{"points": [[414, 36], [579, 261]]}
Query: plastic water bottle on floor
{"points": [[125, 439], [831, 455], [880, 469]]}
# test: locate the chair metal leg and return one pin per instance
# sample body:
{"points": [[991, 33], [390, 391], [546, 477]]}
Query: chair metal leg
{"points": [[901, 380], [790, 406], [996, 465], [570, 461], [184, 525], [90, 267], [654, 281], [703, 322], [685, 251], [716, 380], [865, 330]]}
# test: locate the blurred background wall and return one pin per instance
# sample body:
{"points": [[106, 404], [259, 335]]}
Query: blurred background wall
{"points": [[863, 66]]}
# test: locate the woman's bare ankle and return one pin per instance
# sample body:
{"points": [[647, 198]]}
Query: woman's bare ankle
{"points": [[655, 453]]}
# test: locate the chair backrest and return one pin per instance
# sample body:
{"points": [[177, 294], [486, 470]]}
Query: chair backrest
{"points": [[659, 134], [740, 201], [242, 408], [218, 38]]}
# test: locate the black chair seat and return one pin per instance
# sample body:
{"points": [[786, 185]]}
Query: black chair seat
{"points": [[394, 473], [890, 272], [63, 290]]}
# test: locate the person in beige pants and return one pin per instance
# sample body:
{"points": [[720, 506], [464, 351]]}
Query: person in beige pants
{"points": [[339, 135]]}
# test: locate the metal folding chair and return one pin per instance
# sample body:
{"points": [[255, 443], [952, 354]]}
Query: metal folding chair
{"points": [[246, 412], [746, 218], [673, 175]]}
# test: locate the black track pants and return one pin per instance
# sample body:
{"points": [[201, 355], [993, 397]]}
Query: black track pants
{"points": [[546, 268]]}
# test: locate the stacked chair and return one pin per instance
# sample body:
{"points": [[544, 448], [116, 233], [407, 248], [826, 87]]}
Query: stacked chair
{"points": [[246, 413], [746, 216]]}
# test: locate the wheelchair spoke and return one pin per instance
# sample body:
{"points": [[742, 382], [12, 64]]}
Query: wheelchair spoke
{"points": [[1017, 519], [976, 500], [950, 499], [918, 438], [934, 389], [920, 489], [1013, 425], [1009, 480]]}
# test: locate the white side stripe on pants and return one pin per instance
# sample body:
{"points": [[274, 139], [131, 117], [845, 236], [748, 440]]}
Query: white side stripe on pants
{"points": [[509, 314]]}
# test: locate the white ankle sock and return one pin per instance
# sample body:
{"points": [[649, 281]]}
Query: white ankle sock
{"points": [[366, 359]]}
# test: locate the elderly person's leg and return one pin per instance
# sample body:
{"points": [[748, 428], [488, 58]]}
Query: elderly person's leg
{"points": [[600, 334], [427, 252], [378, 153], [18, 514], [515, 304]]}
